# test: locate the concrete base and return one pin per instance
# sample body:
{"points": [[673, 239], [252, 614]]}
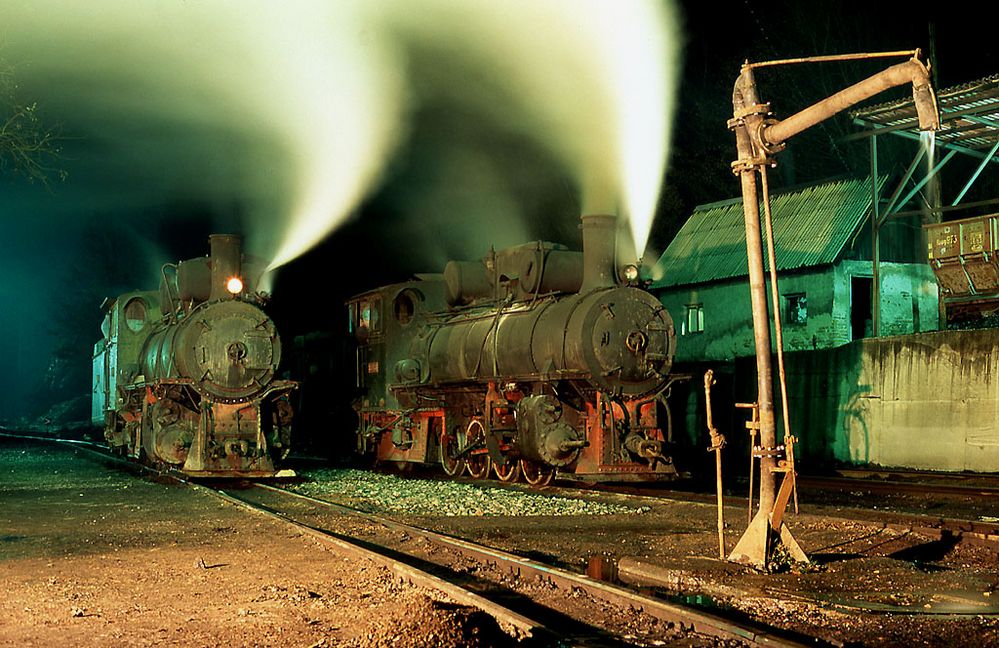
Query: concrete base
{"points": [[757, 545]]}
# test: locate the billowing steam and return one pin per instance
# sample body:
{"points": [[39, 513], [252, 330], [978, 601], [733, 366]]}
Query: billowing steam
{"points": [[293, 109], [594, 79]]}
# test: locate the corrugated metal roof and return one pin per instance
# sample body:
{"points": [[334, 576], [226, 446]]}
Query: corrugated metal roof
{"points": [[969, 116], [811, 226]]}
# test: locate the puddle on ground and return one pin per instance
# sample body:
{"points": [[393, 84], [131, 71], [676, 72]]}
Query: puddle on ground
{"points": [[955, 602], [604, 568]]}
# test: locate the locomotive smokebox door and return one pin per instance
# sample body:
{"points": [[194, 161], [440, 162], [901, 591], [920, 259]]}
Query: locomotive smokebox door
{"points": [[631, 339], [233, 350]]}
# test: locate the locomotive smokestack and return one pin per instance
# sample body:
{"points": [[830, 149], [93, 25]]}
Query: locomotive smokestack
{"points": [[227, 252], [598, 251]]}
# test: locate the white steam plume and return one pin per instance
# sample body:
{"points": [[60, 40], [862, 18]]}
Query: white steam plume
{"points": [[294, 108]]}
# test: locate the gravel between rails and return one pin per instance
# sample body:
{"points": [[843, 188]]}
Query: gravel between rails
{"points": [[380, 492]]}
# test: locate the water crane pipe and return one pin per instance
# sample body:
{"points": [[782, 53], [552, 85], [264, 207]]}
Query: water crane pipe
{"points": [[758, 135], [913, 71]]}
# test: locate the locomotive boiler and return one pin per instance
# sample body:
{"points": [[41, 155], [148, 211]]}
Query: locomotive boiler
{"points": [[185, 377], [535, 360]]}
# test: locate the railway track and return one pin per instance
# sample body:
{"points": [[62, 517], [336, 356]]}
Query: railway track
{"points": [[519, 593], [516, 591], [896, 483], [981, 531], [500, 583]]}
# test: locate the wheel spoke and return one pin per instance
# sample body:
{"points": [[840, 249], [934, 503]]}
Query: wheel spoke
{"points": [[536, 474], [508, 472], [479, 463]]}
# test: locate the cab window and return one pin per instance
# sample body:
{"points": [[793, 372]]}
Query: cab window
{"points": [[370, 315]]}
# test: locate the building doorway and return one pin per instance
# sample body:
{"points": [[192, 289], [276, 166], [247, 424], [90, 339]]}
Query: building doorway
{"points": [[861, 312]]}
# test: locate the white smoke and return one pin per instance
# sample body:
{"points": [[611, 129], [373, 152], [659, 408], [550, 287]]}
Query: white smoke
{"points": [[294, 108]]}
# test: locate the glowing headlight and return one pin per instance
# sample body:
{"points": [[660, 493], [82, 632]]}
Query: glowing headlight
{"points": [[234, 285], [630, 273]]}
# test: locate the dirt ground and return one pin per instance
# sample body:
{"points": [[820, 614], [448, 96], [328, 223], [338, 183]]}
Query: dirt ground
{"points": [[867, 583], [97, 557], [93, 556]]}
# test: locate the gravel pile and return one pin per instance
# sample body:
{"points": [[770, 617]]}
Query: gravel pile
{"points": [[392, 494]]}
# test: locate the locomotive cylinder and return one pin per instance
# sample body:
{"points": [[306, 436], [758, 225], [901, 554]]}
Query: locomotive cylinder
{"points": [[543, 436]]}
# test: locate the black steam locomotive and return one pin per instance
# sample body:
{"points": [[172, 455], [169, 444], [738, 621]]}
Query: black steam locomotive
{"points": [[533, 360], [185, 377]]}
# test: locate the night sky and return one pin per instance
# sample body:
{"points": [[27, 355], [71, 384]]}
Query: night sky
{"points": [[150, 173]]}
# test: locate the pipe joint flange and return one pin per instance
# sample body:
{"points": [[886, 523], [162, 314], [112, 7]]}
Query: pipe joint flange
{"points": [[751, 164], [760, 139], [761, 109]]}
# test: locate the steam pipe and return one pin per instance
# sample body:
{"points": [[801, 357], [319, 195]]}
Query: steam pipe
{"points": [[912, 71]]}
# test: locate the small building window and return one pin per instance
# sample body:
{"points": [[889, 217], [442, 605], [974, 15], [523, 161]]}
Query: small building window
{"points": [[693, 319], [796, 305]]}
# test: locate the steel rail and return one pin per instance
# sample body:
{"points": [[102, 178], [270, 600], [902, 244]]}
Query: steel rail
{"points": [[897, 486], [978, 532], [685, 617], [525, 627]]}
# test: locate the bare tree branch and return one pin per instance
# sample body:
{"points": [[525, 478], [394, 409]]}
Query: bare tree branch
{"points": [[28, 146]]}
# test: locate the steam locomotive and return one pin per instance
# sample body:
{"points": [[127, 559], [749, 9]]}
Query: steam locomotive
{"points": [[184, 377], [535, 360]]}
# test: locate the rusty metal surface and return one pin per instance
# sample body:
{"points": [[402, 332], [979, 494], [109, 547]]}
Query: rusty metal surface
{"points": [[759, 136], [192, 383], [912, 71], [478, 343], [969, 115], [962, 255], [811, 227]]}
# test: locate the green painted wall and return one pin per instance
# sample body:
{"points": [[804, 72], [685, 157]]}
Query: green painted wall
{"points": [[908, 304]]}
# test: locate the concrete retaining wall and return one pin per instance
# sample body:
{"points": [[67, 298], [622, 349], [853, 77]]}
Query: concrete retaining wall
{"points": [[926, 401]]}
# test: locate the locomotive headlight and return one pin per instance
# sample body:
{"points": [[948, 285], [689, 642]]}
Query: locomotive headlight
{"points": [[234, 285], [630, 273]]}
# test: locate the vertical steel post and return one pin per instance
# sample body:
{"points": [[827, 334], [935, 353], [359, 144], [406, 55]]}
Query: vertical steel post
{"points": [[875, 243], [758, 136], [745, 99]]}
